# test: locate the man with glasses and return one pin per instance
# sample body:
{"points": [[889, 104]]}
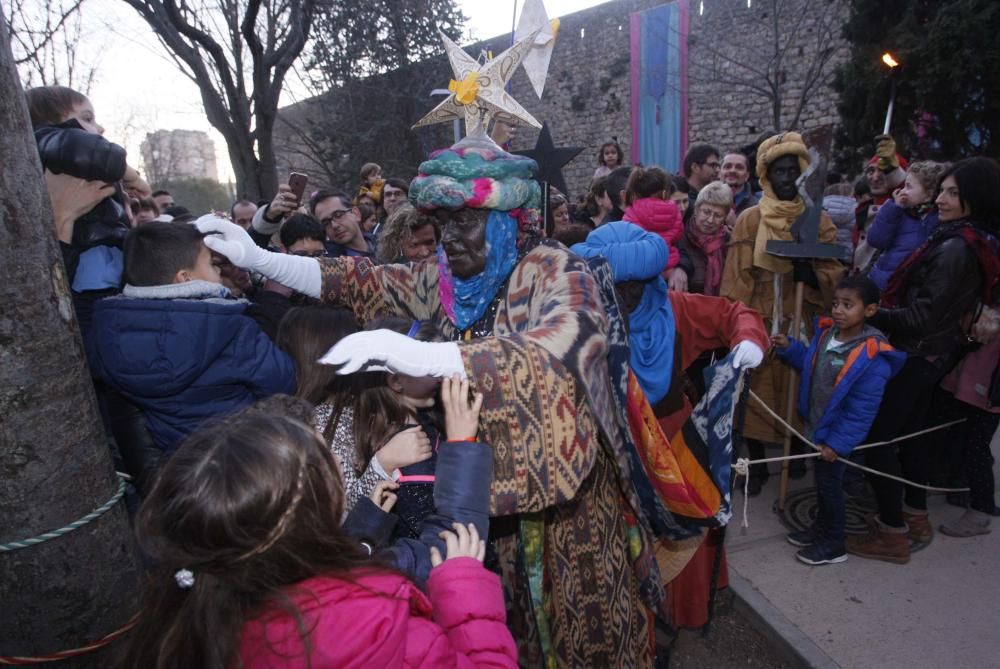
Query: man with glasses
{"points": [[342, 223], [701, 167]]}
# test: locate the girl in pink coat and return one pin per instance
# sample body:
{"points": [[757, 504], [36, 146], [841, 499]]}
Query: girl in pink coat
{"points": [[650, 207], [254, 570]]}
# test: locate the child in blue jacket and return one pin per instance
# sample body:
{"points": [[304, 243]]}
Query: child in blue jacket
{"points": [[175, 344], [844, 373]]}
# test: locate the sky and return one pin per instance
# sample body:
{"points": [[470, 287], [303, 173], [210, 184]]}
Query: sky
{"points": [[138, 88]]}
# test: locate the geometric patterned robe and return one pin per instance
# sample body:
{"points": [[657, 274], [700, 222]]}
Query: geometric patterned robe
{"points": [[558, 497]]}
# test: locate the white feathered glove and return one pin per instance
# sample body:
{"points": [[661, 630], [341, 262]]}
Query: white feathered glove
{"points": [[389, 351], [298, 273], [747, 355]]}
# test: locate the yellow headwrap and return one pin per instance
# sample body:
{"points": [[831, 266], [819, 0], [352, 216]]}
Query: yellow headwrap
{"points": [[777, 216]]}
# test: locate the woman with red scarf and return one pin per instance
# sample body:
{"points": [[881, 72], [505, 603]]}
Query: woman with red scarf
{"points": [[926, 311], [706, 237]]}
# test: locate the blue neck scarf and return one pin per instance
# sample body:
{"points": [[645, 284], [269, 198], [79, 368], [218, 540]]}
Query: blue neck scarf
{"points": [[651, 340], [471, 297]]}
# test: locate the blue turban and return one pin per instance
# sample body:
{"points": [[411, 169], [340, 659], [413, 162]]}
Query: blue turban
{"points": [[632, 252], [635, 254]]}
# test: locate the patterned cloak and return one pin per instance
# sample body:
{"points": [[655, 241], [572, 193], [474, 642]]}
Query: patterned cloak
{"points": [[557, 495]]}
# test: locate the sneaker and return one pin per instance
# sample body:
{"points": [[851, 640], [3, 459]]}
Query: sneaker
{"points": [[969, 524], [882, 543], [920, 526], [802, 538], [819, 554]]}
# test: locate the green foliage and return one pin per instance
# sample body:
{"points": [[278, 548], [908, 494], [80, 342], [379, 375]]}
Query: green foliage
{"points": [[199, 196], [372, 67], [948, 97]]}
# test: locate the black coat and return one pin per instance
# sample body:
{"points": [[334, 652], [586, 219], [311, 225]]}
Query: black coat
{"points": [[69, 149], [940, 293]]}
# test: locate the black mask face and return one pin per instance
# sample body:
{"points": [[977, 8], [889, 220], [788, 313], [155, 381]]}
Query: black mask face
{"points": [[782, 174], [463, 236]]}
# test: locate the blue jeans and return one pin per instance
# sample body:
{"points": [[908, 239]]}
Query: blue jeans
{"points": [[829, 526]]}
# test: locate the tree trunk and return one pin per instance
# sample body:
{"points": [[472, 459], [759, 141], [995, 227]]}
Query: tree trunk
{"points": [[55, 465]]}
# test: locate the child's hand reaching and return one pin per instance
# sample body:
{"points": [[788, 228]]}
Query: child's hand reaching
{"points": [[461, 416], [383, 495], [780, 341], [827, 453], [460, 543], [406, 448]]}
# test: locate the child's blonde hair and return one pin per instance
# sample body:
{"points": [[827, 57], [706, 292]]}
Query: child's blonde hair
{"points": [[929, 173]]}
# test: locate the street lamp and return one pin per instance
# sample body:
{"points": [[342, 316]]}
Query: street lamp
{"points": [[889, 61]]}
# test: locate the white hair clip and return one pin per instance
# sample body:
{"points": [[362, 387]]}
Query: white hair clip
{"points": [[184, 578]]}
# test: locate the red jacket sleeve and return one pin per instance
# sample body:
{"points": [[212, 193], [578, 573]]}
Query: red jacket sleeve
{"points": [[706, 323], [469, 610]]}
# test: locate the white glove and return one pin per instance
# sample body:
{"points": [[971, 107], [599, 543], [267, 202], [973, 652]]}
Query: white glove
{"points": [[747, 355], [298, 273], [388, 351]]}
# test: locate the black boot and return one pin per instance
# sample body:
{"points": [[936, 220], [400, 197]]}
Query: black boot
{"points": [[758, 472]]}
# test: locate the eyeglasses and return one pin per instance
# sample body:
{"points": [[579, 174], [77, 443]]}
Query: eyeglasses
{"points": [[336, 216], [710, 215], [310, 254], [715, 165], [393, 194]]}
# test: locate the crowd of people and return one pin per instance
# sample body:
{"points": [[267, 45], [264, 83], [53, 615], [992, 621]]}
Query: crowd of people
{"points": [[380, 425]]}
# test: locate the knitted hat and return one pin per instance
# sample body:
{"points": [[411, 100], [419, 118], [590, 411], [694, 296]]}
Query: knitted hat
{"points": [[480, 175]]}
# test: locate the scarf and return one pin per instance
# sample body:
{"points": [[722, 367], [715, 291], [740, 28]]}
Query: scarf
{"points": [[635, 254], [713, 247], [985, 246], [777, 216], [465, 300], [651, 341]]}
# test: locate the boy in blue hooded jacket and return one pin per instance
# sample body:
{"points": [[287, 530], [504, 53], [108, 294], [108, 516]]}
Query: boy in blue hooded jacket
{"points": [[175, 343], [844, 373]]}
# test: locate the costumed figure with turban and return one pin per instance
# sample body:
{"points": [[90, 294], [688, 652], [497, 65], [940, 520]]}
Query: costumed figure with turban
{"points": [[766, 283], [527, 327], [689, 468]]}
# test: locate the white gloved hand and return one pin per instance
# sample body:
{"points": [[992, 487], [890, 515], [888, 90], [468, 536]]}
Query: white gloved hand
{"points": [[388, 351], [228, 239], [747, 355]]}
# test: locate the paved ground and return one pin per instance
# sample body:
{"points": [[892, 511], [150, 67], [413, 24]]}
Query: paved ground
{"points": [[937, 611]]}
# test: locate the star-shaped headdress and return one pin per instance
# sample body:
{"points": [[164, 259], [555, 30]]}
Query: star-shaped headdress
{"points": [[477, 91]]}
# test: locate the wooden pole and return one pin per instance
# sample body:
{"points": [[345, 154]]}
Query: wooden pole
{"points": [[793, 387]]}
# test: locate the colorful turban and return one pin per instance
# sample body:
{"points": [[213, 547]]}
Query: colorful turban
{"points": [[632, 252], [479, 178], [635, 254]]}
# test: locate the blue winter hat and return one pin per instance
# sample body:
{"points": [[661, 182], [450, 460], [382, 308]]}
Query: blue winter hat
{"points": [[632, 252]]}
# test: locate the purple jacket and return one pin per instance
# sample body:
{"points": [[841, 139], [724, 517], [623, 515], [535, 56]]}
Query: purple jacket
{"points": [[897, 232]]}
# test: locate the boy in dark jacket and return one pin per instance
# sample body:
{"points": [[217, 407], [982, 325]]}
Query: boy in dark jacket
{"points": [[174, 343], [844, 373]]}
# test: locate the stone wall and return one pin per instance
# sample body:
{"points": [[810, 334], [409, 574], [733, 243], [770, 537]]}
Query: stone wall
{"points": [[736, 72], [587, 98]]}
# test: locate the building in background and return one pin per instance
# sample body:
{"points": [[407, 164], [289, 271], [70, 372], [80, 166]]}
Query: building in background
{"points": [[172, 155]]}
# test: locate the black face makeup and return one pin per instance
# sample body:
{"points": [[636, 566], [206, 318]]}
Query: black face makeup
{"points": [[782, 174], [463, 236]]}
